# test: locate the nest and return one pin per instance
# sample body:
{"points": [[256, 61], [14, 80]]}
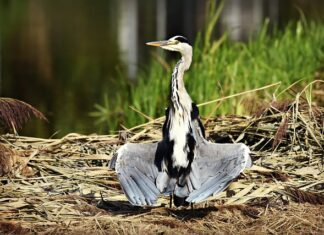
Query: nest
{"points": [[64, 186]]}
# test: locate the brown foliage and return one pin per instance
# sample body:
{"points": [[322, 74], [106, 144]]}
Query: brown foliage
{"points": [[14, 113], [7, 160], [280, 176], [13, 162], [281, 132], [301, 196], [279, 106], [12, 228]]}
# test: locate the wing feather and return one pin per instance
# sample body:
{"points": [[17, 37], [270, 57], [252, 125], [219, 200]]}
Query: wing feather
{"points": [[127, 188], [138, 196], [145, 183], [137, 172], [214, 167]]}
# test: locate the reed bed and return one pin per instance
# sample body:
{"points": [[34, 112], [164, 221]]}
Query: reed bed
{"points": [[220, 67], [63, 185]]}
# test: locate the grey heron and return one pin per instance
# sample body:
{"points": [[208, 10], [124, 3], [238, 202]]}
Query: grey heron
{"points": [[183, 164]]}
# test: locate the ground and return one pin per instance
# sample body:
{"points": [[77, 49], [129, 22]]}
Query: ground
{"points": [[288, 219], [63, 186]]}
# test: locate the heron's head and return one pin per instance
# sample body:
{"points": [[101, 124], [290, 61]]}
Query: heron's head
{"points": [[176, 43]]}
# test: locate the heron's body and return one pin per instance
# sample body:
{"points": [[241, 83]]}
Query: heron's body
{"points": [[178, 130], [183, 163]]}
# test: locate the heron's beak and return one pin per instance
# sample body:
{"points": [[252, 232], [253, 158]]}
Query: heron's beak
{"points": [[158, 43]]}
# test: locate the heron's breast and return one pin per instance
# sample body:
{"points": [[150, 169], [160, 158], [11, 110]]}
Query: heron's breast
{"points": [[179, 129]]}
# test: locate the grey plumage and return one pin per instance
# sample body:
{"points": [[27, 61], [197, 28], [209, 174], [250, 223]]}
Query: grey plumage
{"points": [[214, 167], [136, 171], [184, 163]]}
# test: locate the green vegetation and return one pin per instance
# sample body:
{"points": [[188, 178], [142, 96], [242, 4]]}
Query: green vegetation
{"points": [[221, 68]]}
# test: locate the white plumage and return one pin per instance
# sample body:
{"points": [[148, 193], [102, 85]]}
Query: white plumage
{"points": [[184, 163]]}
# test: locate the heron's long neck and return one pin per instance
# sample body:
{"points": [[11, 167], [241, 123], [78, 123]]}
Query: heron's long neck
{"points": [[179, 119], [178, 91]]}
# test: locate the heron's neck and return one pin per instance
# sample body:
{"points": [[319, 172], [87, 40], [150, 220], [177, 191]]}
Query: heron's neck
{"points": [[186, 59], [179, 118], [178, 91]]}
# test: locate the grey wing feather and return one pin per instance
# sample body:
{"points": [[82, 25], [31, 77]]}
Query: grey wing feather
{"points": [[214, 167], [137, 172]]}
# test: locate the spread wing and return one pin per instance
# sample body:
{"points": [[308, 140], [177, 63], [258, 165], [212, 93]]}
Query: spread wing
{"points": [[214, 167], [137, 171]]}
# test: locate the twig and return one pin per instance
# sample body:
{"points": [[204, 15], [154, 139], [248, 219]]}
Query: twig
{"points": [[239, 94]]}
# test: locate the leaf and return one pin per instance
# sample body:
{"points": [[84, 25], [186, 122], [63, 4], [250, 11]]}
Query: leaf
{"points": [[241, 194], [308, 171]]}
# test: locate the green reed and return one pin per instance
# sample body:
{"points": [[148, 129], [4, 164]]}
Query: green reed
{"points": [[221, 68]]}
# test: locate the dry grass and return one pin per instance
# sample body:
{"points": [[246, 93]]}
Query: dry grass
{"points": [[14, 113], [70, 190]]}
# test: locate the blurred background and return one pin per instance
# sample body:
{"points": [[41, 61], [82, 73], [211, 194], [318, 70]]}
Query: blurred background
{"points": [[69, 58]]}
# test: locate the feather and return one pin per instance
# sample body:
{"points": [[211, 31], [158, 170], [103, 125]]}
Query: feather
{"points": [[137, 172], [214, 167]]}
